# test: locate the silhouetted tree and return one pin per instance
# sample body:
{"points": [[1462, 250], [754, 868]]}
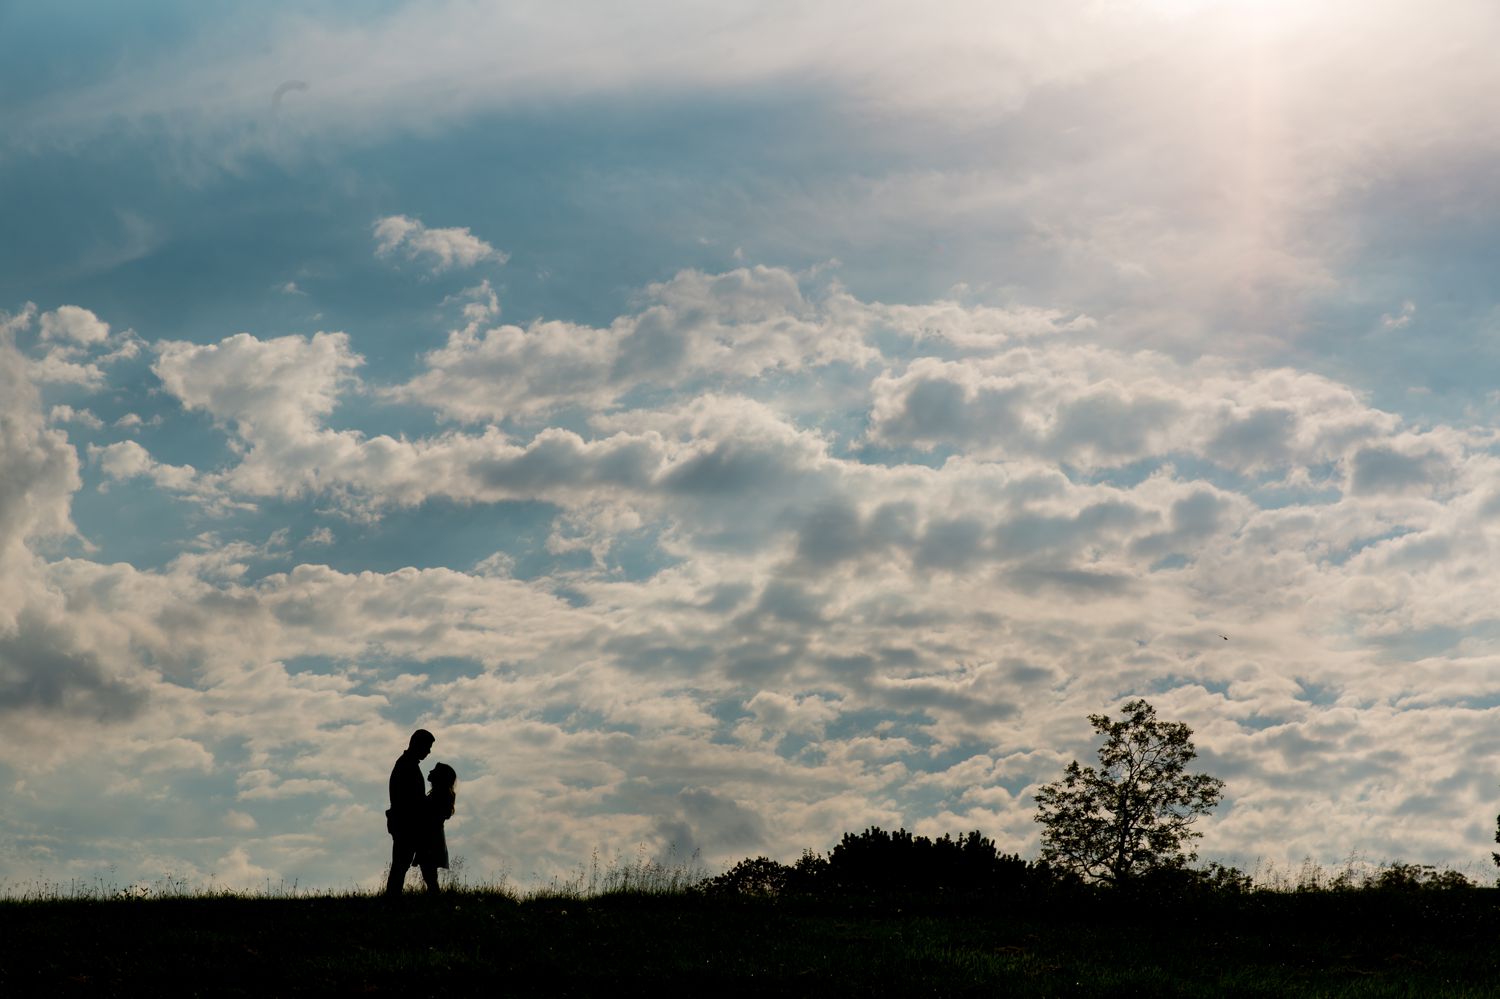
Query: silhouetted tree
{"points": [[1135, 812], [1496, 856]]}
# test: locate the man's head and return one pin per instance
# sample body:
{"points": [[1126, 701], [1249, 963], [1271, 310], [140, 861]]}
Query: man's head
{"points": [[421, 743]]}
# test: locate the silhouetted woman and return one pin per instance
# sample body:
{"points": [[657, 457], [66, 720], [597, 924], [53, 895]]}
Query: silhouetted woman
{"points": [[437, 808]]}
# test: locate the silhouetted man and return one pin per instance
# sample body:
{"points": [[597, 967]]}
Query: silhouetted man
{"points": [[403, 819]]}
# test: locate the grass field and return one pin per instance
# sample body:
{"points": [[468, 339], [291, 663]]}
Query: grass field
{"points": [[1429, 943]]}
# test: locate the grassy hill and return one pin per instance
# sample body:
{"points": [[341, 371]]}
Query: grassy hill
{"points": [[1365, 943]]}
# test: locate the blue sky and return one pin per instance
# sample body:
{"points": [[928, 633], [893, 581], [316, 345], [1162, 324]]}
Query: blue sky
{"points": [[731, 425]]}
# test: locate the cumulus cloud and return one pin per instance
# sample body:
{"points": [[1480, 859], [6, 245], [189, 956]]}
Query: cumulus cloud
{"points": [[241, 822], [740, 324], [67, 414], [1385, 468], [798, 561], [41, 469], [128, 460], [903, 618], [263, 785], [42, 670], [69, 322], [1093, 408], [46, 671], [79, 345], [442, 249], [271, 386]]}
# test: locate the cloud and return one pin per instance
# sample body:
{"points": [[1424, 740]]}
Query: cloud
{"points": [[263, 785], [240, 822], [45, 669], [69, 322], [902, 612], [437, 60], [77, 343], [1382, 468], [1400, 319], [442, 248], [276, 388], [42, 671], [696, 326], [1101, 408], [175, 754], [127, 460], [712, 821], [236, 871], [40, 468], [67, 414], [789, 714]]}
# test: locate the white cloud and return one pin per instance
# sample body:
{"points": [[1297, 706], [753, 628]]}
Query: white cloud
{"points": [[236, 871], [263, 785], [69, 322], [1400, 319], [128, 460], [48, 670], [741, 324], [173, 754], [78, 345], [274, 389], [56, 368], [1094, 407], [431, 61], [240, 822], [1223, 218], [40, 468], [823, 625], [67, 414], [442, 248]]}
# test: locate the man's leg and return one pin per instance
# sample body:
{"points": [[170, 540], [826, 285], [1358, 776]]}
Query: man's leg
{"points": [[429, 875], [402, 850]]}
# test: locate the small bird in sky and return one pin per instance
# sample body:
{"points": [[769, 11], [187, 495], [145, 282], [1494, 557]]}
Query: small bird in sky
{"points": [[284, 89]]}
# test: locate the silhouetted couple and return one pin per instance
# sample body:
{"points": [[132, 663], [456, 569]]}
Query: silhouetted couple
{"points": [[415, 820]]}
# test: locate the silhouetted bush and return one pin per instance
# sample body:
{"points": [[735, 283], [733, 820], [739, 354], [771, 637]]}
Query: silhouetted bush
{"points": [[881, 867], [1414, 877], [756, 877], [808, 874], [880, 861], [1176, 880]]}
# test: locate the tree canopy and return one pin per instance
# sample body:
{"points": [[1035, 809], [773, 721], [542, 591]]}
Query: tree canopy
{"points": [[1135, 812]]}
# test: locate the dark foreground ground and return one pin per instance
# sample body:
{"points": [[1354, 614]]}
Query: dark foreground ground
{"points": [[1428, 943]]}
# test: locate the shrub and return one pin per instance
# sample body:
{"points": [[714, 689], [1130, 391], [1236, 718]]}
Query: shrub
{"points": [[1414, 877], [877, 861], [758, 877]]}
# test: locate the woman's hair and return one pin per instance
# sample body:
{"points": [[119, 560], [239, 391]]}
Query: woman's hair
{"points": [[443, 779]]}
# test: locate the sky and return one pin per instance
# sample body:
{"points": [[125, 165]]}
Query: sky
{"points": [[726, 426]]}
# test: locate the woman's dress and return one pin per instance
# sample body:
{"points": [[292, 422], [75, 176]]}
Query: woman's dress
{"points": [[432, 845]]}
